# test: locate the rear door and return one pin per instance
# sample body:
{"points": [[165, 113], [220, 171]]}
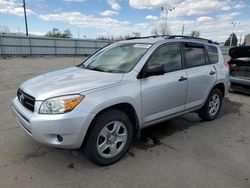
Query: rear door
{"points": [[201, 74]]}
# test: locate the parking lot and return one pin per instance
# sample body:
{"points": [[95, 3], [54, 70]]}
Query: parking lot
{"points": [[182, 152]]}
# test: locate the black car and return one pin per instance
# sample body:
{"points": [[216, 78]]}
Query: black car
{"points": [[240, 69]]}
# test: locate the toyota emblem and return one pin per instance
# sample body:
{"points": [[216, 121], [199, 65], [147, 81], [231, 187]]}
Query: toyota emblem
{"points": [[21, 98]]}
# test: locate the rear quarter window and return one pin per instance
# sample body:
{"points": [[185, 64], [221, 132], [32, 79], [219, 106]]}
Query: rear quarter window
{"points": [[212, 54]]}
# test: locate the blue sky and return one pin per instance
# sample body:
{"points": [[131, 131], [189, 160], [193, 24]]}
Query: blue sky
{"points": [[92, 18]]}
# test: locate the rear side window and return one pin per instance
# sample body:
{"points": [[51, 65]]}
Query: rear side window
{"points": [[194, 56], [212, 54]]}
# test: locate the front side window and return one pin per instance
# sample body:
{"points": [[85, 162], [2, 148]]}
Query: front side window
{"points": [[194, 56], [117, 57], [169, 56]]}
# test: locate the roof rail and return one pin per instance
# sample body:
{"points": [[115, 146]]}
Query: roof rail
{"points": [[190, 37], [152, 36]]}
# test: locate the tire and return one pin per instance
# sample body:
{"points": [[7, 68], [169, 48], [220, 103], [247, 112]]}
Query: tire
{"points": [[109, 139], [211, 108]]}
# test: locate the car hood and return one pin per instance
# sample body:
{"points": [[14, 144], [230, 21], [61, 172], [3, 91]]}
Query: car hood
{"points": [[68, 81]]}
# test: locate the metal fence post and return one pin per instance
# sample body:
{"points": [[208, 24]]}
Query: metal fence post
{"points": [[30, 46], [1, 44], [75, 47], [55, 46]]}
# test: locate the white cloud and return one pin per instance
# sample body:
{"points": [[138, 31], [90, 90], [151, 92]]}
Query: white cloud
{"points": [[240, 5], [108, 13], [13, 7], [38, 33], [204, 19], [105, 26], [192, 7], [78, 1], [217, 29], [226, 7], [184, 7], [114, 5], [150, 17], [81, 20], [147, 4], [227, 17]]}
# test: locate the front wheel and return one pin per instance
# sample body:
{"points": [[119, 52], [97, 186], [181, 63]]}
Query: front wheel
{"points": [[109, 138], [212, 107]]}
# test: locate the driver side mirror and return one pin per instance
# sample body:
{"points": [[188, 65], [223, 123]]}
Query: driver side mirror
{"points": [[153, 71]]}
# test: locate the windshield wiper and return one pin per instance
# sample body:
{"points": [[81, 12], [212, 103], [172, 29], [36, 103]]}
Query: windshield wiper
{"points": [[95, 69], [81, 66]]}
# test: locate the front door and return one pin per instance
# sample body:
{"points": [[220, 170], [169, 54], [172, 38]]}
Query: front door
{"points": [[164, 95]]}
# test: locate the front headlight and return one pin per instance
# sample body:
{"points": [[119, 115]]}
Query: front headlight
{"points": [[60, 105]]}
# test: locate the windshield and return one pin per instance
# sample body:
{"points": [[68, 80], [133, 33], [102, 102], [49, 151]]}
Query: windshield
{"points": [[117, 58]]}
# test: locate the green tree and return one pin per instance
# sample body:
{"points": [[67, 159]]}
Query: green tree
{"points": [[67, 34], [232, 38]]}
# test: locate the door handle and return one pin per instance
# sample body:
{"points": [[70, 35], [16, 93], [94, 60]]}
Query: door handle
{"points": [[212, 72], [182, 78]]}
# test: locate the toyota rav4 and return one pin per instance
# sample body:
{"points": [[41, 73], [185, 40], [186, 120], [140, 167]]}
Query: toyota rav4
{"points": [[103, 103]]}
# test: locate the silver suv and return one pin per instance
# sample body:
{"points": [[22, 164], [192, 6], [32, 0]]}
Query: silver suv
{"points": [[103, 103]]}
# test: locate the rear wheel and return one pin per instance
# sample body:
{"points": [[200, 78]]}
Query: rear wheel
{"points": [[110, 138], [212, 107]]}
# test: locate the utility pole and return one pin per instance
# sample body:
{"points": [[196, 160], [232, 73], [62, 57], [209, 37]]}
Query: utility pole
{"points": [[240, 39], [183, 27], [231, 38], [25, 18]]}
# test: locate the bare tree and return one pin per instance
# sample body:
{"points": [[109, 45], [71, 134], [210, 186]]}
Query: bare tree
{"points": [[4, 29], [56, 33], [160, 29], [195, 34], [154, 31], [136, 34]]}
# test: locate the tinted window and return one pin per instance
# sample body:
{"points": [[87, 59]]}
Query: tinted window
{"points": [[167, 55], [194, 56], [212, 54]]}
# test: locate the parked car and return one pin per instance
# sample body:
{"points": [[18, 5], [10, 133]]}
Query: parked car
{"points": [[103, 103], [240, 69]]}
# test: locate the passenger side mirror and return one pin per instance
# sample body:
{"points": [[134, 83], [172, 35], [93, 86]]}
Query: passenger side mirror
{"points": [[154, 70]]}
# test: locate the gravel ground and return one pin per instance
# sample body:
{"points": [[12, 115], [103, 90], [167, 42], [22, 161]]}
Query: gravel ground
{"points": [[182, 152]]}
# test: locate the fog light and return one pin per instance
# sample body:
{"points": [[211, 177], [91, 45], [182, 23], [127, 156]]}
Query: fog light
{"points": [[59, 138]]}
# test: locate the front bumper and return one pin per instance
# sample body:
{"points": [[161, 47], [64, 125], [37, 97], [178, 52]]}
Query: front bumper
{"points": [[72, 126]]}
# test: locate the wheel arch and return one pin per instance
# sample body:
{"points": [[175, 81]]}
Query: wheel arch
{"points": [[128, 109], [221, 87]]}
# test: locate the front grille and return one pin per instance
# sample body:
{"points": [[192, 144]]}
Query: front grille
{"points": [[26, 100]]}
